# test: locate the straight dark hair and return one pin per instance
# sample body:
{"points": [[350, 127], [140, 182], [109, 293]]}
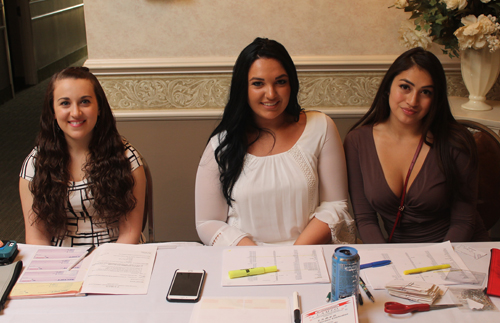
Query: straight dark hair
{"points": [[447, 133], [237, 119]]}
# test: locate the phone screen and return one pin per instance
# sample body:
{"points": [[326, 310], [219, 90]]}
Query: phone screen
{"points": [[186, 285]]}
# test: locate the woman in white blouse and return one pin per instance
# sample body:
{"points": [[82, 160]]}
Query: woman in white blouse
{"points": [[271, 172]]}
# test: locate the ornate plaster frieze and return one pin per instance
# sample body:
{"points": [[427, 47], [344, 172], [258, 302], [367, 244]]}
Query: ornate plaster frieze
{"points": [[166, 91], [210, 91]]}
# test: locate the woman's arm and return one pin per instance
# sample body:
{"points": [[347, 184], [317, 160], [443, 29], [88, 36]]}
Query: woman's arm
{"points": [[316, 232], [211, 208], [331, 221], [130, 227], [463, 211], [35, 232], [366, 217]]}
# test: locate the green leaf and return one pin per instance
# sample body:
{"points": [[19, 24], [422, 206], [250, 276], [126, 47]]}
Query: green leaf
{"points": [[415, 15]]}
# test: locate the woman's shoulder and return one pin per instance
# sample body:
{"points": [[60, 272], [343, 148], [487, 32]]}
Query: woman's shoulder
{"points": [[215, 140], [315, 116], [359, 134], [28, 167], [317, 121], [133, 155]]}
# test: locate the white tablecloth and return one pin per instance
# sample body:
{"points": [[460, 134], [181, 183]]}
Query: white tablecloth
{"points": [[154, 308]]}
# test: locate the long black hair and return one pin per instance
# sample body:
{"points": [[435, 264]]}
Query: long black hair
{"points": [[446, 132], [237, 119]]}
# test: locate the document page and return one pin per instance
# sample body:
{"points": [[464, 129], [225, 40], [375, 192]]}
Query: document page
{"points": [[241, 310], [47, 275], [120, 269], [296, 265], [411, 258]]}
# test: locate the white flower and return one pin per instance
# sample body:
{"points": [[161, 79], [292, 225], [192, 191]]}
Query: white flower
{"points": [[485, 1], [401, 4], [411, 38], [493, 43], [473, 33], [454, 4]]}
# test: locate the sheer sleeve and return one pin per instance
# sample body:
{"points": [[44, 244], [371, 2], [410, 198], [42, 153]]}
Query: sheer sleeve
{"points": [[333, 193], [463, 211], [365, 215], [210, 205]]}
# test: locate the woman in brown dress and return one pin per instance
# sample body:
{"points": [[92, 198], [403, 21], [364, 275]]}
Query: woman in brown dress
{"points": [[410, 123]]}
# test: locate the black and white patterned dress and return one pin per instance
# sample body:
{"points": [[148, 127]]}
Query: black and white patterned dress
{"points": [[83, 228]]}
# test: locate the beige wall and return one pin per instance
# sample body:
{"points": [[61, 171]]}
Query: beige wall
{"points": [[173, 149], [166, 66], [127, 29]]}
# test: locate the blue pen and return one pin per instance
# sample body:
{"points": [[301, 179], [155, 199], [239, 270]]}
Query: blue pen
{"points": [[375, 264]]}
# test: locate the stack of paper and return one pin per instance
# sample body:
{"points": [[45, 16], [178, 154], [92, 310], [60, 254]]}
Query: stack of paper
{"points": [[114, 268], [296, 265], [421, 292]]}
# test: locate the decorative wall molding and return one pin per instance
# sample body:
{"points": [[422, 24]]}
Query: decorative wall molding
{"points": [[196, 65], [166, 91], [203, 95]]}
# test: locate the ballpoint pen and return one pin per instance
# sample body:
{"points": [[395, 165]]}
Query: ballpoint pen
{"points": [[362, 284], [375, 264], [296, 308], [89, 250], [424, 269]]}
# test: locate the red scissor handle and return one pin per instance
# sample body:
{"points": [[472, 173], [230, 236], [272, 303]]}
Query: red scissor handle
{"points": [[398, 308]]}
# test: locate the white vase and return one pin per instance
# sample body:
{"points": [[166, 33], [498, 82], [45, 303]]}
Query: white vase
{"points": [[480, 69]]}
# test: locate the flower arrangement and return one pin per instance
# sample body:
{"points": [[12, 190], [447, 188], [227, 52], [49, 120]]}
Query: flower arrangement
{"points": [[453, 24]]}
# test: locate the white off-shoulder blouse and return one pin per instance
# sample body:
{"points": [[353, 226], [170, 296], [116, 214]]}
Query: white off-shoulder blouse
{"points": [[276, 196]]}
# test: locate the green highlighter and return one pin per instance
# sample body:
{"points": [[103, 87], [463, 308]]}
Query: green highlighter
{"points": [[252, 271]]}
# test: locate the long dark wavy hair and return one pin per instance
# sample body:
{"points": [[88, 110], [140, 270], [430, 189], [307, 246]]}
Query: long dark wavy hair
{"points": [[446, 132], [238, 120], [107, 169]]}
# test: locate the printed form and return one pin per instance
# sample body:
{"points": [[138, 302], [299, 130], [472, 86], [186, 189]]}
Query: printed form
{"points": [[411, 258], [47, 275], [296, 265], [120, 269]]}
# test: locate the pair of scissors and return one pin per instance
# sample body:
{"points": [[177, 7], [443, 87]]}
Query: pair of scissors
{"points": [[398, 308]]}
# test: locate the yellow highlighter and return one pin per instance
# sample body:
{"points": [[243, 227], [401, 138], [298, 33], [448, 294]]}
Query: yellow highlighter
{"points": [[424, 269], [252, 271]]}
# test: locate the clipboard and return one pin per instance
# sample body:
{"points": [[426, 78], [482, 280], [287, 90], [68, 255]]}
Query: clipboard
{"points": [[8, 277]]}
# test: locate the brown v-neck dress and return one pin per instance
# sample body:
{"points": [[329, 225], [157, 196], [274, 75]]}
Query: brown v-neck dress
{"points": [[428, 215]]}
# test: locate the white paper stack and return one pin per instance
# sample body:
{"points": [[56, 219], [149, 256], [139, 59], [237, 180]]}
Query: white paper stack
{"points": [[421, 292]]}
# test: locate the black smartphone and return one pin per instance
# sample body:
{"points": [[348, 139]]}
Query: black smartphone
{"points": [[186, 286]]}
